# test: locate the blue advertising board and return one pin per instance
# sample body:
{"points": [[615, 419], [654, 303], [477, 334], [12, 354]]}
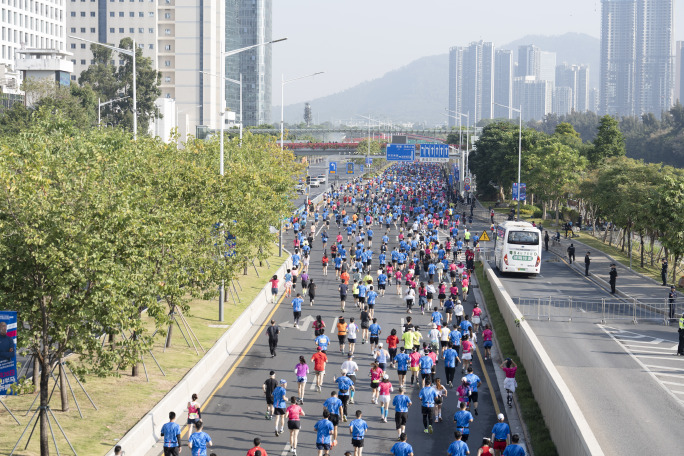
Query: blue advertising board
{"points": [[350, 168], [514, 194], [434, 153], [8, 351], [361, 168], [401, 152], [332, 168], [523, 191], [369, 161]]}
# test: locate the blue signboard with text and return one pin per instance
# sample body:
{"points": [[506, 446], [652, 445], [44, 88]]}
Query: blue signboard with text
{"points": [[401, 152], [8, 351], [434, 152], [332, 168], [369, 161], [350, 168]]}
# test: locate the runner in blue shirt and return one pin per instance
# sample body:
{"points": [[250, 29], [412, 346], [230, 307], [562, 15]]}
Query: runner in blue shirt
{"points": [[382, 282], [500, 434], [334, 406], [514, 449], [474, 381], [401, 361], [297, 309], [295, 259], [401, 403], [172, 435], [437, 317], [323, 341], [357, 429], [324, 430], [463, 418], [425, 363], [198, 441], [372, 295], [450, 359], [374, 330], [427, 397], [458, 447], [402, 448]]}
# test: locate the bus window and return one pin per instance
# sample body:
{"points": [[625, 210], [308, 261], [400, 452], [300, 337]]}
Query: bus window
{"points": [[523, 237]]}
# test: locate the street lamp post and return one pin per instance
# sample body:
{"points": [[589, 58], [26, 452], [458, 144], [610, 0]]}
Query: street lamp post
{"points": [[519, 111], [223, 112], [178, 111], [460, 138], [130, 53], [99, 105], [369, 119], [282, 102], [225, 54]]}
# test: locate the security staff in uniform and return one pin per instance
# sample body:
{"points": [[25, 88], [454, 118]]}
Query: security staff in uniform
{"points": [[680, 347], [671, 297], [587, 262], [663, 271], [613, 278]]}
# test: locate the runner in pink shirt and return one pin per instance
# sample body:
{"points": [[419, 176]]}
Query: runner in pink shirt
{"points": [[384, 390]]}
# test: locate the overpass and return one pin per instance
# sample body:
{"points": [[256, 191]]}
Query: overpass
{"points": [[427, 134]]}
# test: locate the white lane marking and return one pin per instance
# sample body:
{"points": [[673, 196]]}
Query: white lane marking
{"points": [[673, 383], [645, 367], [670, 358], [678, 392], [286, 450], [665, 367], [313, 384], [641, 345], [670, 375]]}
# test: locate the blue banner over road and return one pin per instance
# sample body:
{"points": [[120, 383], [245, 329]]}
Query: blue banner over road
{"points": [[434, 153], [401, 152], [8, 351]]}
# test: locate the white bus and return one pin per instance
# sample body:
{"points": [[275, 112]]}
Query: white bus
{"points": [[518, 248]]}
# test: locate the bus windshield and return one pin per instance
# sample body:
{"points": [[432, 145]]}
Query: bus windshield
{"points": [[523, 237]]}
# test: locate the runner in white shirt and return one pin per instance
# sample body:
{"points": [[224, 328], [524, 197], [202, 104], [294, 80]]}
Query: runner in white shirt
{"points": [[352, 329], [458, 312], [444, 338]]}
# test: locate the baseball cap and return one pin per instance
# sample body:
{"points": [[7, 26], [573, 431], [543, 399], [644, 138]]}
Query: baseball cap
{"points": [[344, 371], [380, 344], [350, 356], [319, 348], [283, 381], [500, 416], [385, 376]]}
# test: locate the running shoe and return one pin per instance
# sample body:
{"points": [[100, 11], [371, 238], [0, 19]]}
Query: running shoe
{"points": [[430, 429]]}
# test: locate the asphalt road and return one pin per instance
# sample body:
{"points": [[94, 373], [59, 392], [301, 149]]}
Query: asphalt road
{"points": [[235, 415], [629, 407]]}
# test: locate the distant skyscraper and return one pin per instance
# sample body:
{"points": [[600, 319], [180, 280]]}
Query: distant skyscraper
{"points": [[534, 95], [532, 61], [593, 105], [252, 20], [455, 84], [503, 83], [654, 52], [636, 56], [562, 100], [679, 73], [576, 77], [471, 80]]}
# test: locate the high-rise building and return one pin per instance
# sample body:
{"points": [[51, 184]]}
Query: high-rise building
{"points": [[252, 20], [654, 52], [455, 84], [532, 61], [38, 24], [562, 100], [182, 37], [575, 77], [503, 83], [594, 100], [636, 56], [679, 72], [534, 95], [471, 80]]}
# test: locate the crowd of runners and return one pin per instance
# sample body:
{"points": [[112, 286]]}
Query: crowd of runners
{"points": [[403, 235], [430, 268]]}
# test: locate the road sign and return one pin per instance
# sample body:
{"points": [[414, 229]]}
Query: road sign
{"points": [[361, 168], [484, 236], [350, 168], [401, 152], [467, 180], [523, 191], [467, 187], [515, 191], [369, 161], [434, 153], [457, 173], [332, 168]]}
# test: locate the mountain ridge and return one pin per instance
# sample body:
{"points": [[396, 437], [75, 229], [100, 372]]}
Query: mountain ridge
{"points": [[418, 91]]}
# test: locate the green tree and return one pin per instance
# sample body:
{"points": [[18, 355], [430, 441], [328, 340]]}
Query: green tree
{"points": [[609, 141], [668, 207], [375, 148]]}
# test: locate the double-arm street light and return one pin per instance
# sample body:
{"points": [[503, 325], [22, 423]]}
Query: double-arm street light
{"points": [[224, 55], [130, 53], [460, 136], [369, 119], [223, 112], [519, 111], [283, 81]]}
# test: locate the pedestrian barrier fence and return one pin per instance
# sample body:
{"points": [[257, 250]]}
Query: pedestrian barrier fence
{"points": [[599, 310]]}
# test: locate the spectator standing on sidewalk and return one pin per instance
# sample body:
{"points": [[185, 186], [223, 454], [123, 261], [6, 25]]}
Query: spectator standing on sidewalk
{"points": [[663, 271], [546, 240], [571, 252], [587, 262]]}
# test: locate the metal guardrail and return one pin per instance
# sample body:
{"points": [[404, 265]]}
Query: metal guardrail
{"points": [[599, 310]]}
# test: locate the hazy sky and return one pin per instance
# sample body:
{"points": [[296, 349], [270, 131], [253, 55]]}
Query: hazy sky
{"points": [[359, 40]]}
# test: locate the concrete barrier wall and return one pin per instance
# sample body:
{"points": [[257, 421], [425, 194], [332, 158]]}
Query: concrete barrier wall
{"points": [[569, 429], [143, 436]]}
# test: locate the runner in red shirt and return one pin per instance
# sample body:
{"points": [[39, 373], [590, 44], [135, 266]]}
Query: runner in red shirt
{"points": [[257, 446], [320, 359]]}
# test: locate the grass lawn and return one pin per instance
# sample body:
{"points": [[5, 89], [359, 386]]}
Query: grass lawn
{"points": [[541, 438], [123, 400]]}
